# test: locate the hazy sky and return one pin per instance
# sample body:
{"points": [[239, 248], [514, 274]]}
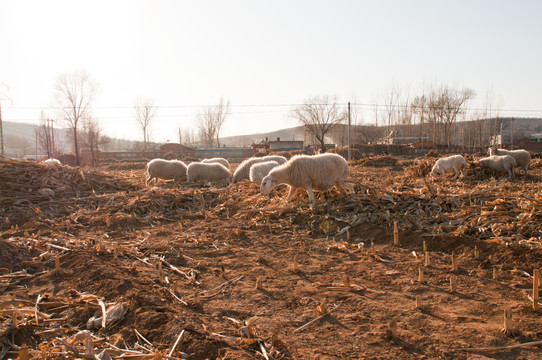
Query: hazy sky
{"points": [[265, 56]]}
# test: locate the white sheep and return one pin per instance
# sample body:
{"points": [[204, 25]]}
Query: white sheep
{"points": [[278, 158], [166, 170], [52, 162], [217, 160], [452, 164], [523, 157], [499, 163], [260, 170], [198, 171], [319, 172], [243, 170]]}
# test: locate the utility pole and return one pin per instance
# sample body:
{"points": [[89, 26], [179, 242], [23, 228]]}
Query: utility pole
{"points": [[53, 138], [349, 145], [1, 134], [1, 127], [512, 134]]}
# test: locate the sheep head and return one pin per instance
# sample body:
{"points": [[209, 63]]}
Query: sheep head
{"points": [[268, 184]]}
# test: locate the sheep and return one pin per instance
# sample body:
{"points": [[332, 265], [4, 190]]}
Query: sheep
{"points": [[499, 163], [523, 157], [259, 170], [52, 162], [319, 172], [278, 158], [217, 160], [207, 172], [243, 170], [165, 169], [452, 164]]}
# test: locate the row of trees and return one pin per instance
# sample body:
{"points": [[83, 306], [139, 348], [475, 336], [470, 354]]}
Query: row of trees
{"points": [[74, 95], [440, 114], [433, 114]]}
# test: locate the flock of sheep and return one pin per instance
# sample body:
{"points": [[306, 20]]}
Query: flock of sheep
{"points": [[313, 172], [499, 160]]}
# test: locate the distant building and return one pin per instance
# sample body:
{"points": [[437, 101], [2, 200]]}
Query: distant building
{"points": [[265, 146], [536, 137], [230, 153], [532, 143], [179, 149], [281, 145]]}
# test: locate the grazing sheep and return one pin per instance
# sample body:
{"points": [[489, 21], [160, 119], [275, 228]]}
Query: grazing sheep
{"points": [[217, 160], [243, 170], [165, 169], [278, 158], [523, 157], [452, 164], [319, 172], [198, 171], [499, 163], [259, 170], [52, 162]]}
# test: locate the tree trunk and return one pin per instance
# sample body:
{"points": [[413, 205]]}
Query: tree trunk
{"points": [[323, 148], [76, 146]]}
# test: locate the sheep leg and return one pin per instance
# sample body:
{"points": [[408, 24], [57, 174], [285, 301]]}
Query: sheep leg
{"points": [[510, 171], [291, 193], [346, 187], [311, 194], [149, 179], [456, 174]]}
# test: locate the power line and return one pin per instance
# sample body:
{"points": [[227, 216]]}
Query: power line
{"points": [[368, 106]]}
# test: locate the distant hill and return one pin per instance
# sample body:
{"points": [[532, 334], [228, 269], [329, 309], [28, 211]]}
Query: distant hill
{"points": [[20, 140], [295, 133]]}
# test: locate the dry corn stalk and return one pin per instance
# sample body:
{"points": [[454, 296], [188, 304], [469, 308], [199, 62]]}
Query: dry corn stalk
{"points": [[258, 285], [508, 328], [536, 281], [454, 262], [346, 281], [391, 332], [453, 287], [322, 308], [395, 234]]}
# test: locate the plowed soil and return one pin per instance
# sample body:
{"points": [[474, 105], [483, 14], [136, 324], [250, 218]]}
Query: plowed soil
{"points": [[242, 276]]}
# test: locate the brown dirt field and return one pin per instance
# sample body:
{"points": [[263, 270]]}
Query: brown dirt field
{"points": [[187, 258]]}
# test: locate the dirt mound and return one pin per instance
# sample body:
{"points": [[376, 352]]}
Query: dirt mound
{"points": [[378, 161], [30, 189]]}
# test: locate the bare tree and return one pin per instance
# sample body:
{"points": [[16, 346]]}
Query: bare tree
{"points": [[74, 94], [145, 112], [210, 121], [491, 112], [319, 115], [391, 107], [448, 103], [45, 135], [368, 134], [92, 138], [419, 107], [405, 116]]}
